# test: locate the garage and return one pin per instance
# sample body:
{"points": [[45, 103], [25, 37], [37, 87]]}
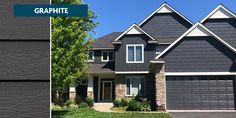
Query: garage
{"points": [[200, 92]]}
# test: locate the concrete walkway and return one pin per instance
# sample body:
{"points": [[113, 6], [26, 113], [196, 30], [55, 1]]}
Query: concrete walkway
{"points": [[103, 107]]}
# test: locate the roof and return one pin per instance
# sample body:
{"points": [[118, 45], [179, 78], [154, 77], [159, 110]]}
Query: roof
{"points": [[197, 30], [102, 68], [105, 42]]}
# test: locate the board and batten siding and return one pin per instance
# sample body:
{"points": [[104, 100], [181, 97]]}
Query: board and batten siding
{"points": [[199, 54], [166, 25], [24, 63], [120, 52]]}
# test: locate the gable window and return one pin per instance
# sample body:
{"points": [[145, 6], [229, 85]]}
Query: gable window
{"points": [[107, 56], [160, 48], [135, 85], [134, 53], [91, 56]]}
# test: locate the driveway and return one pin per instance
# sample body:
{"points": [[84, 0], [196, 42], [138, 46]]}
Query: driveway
{"points": [[203, 114]]}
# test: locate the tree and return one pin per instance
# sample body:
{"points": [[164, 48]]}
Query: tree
{"points": [[71, 41]]}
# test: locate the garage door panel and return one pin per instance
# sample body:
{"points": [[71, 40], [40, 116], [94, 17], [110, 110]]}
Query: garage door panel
{"points": [[200, 93]]}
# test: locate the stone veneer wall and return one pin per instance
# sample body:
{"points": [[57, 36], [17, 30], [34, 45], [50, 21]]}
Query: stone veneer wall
{"points": [[160, 86], [120, 86]]}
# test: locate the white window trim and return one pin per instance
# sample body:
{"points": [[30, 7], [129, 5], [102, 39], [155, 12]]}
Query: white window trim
{"points": [[91, 60], [127, 61], [140, 86], [107, 56]]}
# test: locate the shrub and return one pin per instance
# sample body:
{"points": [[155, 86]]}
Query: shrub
{"points": [[145, 106], [78, 99], [124, 102], [59, 101], [72, 106], [56, 107], [69, 102], [83, 105], [116, 103], [89, 101], [134, 105]]}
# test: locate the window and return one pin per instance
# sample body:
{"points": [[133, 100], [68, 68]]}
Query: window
{"points": [[107, 56], [134, 85], [91, 56], [134, 53], [160, 48]]}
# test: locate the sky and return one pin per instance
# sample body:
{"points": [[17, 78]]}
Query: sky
{"points": [[119, 15]]}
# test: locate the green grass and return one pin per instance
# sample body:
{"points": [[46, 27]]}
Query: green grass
{"points": [[91, 113]]}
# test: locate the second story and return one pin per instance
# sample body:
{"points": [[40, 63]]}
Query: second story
{"points": [[133, 49]]}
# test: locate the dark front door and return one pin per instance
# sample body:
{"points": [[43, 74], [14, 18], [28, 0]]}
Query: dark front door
{"points": [[200, 92], [107, 91]]}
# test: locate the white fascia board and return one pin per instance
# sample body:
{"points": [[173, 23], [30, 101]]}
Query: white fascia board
{"points": [[219, 12], [158, 62], [131, 72], [137, 28], [198, 73], [189, 31], [165, 7], [152, 41]]}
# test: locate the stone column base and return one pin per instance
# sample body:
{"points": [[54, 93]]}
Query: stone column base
{"points": [[72, 93], [90, 94]]}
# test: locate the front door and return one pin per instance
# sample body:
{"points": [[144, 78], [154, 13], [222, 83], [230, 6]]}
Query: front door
{"points": [[107, 91]]}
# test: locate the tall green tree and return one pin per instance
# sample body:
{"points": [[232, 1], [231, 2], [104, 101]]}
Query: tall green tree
{"points": [[71, 41]]}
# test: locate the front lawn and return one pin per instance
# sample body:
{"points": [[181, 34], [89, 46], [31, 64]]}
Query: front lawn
{"points": [[91, 113]]}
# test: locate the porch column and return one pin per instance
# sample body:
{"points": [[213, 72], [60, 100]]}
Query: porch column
{"points": [[160, 87], [90, 87], [72, 93]]}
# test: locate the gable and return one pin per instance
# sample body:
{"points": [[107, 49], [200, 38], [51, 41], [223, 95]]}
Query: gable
{"points": [[196, 31], [199, 54], [166, 25]]}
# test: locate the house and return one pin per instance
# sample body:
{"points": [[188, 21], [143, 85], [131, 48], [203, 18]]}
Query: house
{"points": [[24, 63], [168, 59]]}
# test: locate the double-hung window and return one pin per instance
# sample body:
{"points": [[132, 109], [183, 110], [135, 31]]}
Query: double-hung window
{"points": [[107, 56], [91, 56], [135, 85], [134, 53]]}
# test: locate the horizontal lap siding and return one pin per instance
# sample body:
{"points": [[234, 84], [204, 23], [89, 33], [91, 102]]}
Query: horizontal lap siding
{"points": [[200, 54], [24, 99], [24, 63], [166, 25], [22, 28], [224, 28], [24, 60], [120, 52]]}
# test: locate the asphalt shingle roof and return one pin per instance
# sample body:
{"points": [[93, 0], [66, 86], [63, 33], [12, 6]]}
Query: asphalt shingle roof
{"points": [[106, 41]]}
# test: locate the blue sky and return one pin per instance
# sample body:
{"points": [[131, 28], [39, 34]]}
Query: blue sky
{"points": [[118, 15]]}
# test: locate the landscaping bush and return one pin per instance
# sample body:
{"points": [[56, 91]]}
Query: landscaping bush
{"points": [[56, 107], [116, 103], [59, 101], [134, 105], [124, 102], [83, 105], [89, 101], [72, 106], [70, 102], [145, 106]]}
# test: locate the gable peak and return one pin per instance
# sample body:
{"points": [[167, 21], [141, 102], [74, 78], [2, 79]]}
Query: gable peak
{"points": [[198, 30], [165, 8]]}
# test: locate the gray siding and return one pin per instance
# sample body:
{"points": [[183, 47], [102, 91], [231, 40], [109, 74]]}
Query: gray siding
{"points": [[22, 99], [166, 25], [24, 63], [224, 28], [200, 54], [24, 60], [22, 28], [101, 67], [120, 52]]}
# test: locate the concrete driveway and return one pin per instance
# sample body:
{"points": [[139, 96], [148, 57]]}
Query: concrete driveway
{"points": [[203, 114]]}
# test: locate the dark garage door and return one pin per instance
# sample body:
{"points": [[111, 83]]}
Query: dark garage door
{"points": [[200, 92]]}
